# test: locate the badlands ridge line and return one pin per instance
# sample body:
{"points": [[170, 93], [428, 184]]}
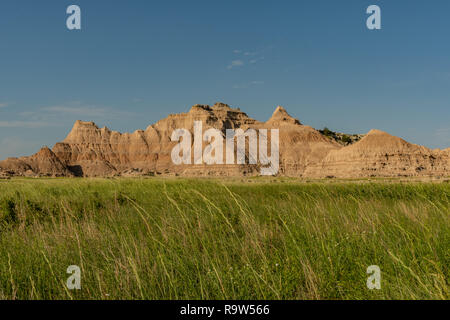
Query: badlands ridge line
{"points": [[89, 151]]}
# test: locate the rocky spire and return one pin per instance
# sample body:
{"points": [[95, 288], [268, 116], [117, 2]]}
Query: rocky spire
{"points": [[280, 114]]}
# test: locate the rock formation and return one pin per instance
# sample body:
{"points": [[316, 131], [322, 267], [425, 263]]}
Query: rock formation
{"points": [[380, 154], [304, 152], [43, 163]]}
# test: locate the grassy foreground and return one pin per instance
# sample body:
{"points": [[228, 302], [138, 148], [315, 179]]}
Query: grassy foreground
{"points": [[212, 239]]}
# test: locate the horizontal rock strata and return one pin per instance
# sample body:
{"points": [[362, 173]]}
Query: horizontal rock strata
{"points": [[91, 151]]}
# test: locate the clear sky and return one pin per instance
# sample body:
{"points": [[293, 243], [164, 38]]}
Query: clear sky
{"points": [[136, 61]]}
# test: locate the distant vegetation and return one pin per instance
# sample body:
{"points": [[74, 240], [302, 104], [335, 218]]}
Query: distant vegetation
{"points": [[211, 239], [341, 138], [327, 132], [346, 139]]}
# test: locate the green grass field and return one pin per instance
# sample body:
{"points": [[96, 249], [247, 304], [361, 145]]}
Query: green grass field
{"points": [[223, 239]]}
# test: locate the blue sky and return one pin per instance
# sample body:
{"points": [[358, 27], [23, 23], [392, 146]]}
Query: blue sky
{"points": [[134, 62]]}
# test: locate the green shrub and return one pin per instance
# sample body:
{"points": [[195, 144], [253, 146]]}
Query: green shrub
{"points": [[327, 132], [346, 139]]}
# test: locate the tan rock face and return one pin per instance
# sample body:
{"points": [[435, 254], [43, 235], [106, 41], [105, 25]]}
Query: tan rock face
{"points": [[43, 163], [384, 155], [100, 152], [304, 151]]}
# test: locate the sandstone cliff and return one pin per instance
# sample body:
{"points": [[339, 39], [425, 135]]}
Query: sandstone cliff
{"points": [[43, 163], [383, 155], [92, 151]]}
